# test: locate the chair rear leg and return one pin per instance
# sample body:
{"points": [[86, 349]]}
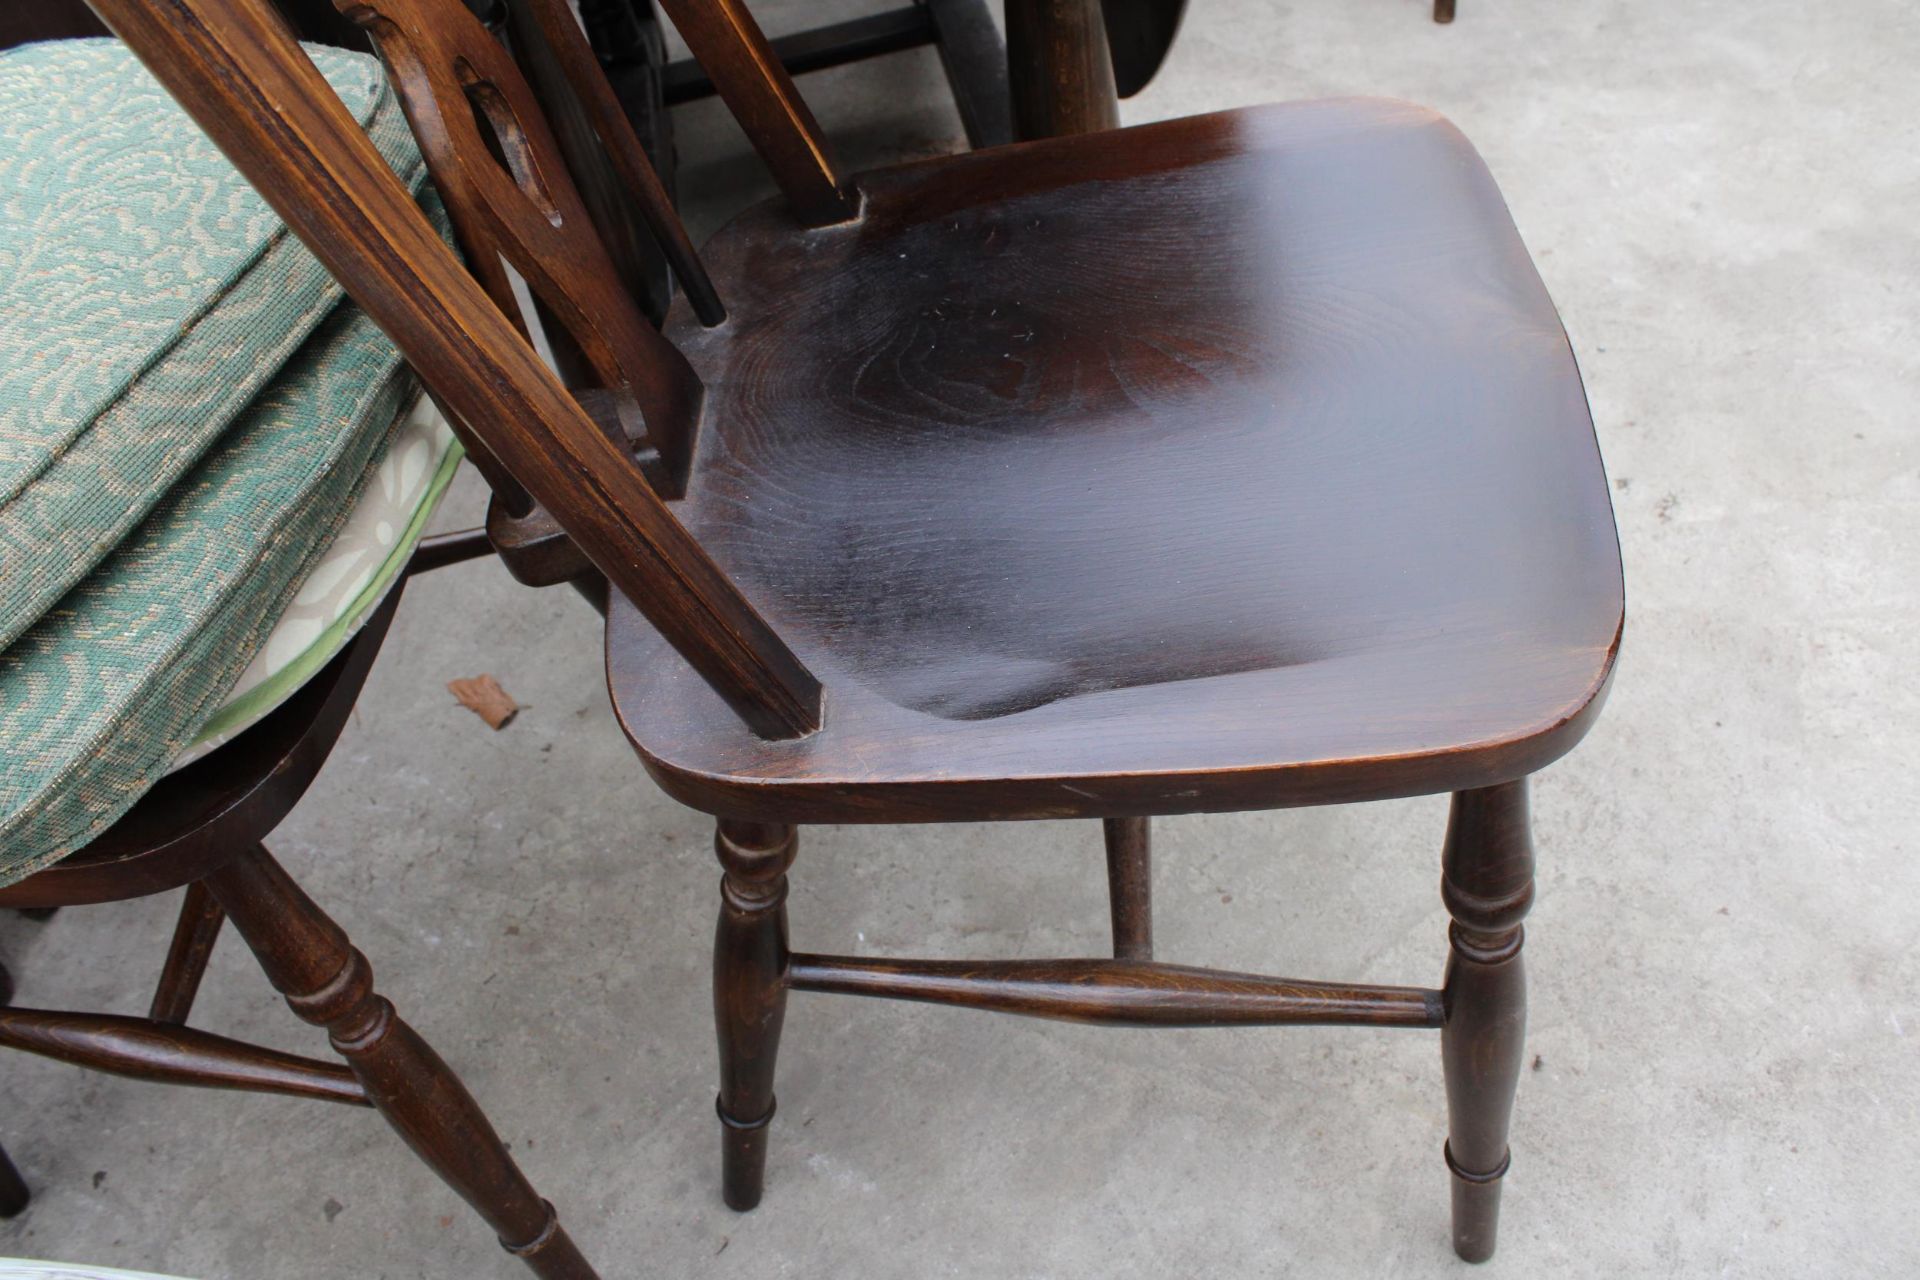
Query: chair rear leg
{"points": [[1487, 886], [14, 1195], [1130, 886], [194, 936], [749, 995], [328, 983]]}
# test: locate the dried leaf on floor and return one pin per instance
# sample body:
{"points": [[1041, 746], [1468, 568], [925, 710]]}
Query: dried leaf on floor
{"points": [[483, 696]]}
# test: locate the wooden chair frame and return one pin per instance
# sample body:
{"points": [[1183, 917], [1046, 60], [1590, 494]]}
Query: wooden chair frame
{"points": [[202, 829], [961, 31], [259, 98]]}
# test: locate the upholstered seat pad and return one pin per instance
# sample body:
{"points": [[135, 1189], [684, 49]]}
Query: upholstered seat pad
{"points": [[106, 690], [351, 577], [147, 294]]}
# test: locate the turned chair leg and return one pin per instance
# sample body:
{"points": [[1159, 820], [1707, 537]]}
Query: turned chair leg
{"points": [[749, 995], [193, 938], [1130, 886], [1487, 886], [327, 982], [13, 1188]]}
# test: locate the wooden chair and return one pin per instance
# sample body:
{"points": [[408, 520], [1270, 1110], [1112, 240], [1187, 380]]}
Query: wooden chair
{"points": [[202, 829], [1235, 462]]}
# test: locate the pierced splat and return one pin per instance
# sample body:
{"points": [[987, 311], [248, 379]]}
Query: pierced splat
{"points": [[507, 188]]}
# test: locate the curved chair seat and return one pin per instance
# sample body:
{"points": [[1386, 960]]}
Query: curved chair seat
{"points": [[1227, 463]]}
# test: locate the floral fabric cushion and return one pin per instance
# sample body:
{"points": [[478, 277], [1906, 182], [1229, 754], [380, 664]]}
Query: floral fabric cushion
{"points": [[353, 575], [171, 477], [147, 295], [100, 695]]}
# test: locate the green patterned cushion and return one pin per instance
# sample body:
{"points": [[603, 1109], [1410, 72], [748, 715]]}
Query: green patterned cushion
{"points": [[146, 296], [100, 695], [189, 416], [352, 576]]}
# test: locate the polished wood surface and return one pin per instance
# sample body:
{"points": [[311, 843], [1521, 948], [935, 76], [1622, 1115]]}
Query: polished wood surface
{"points": [[548, 36], [749, 995], [1119, 993], [167, 1053], [14, 1195], [1130, 886], [1324, 522], [962, 32], [757, 89], [454, 78], [1487, 886], [328, 983], [1139, 34], [974, 58], [194, 936], [1060, 69]]}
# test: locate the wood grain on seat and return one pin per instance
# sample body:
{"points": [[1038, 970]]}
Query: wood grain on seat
{"points": [[1229, 462]]}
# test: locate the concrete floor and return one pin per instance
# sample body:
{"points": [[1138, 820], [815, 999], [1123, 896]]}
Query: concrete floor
{"points": [[1725, 1025]]}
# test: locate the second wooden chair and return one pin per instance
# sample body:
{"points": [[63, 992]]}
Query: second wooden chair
{"points": [[1228, 463]]}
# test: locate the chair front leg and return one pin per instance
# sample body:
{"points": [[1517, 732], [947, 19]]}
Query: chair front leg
{"points": [[327, 982], [13, 1188], [1487, 886], [749, 995]]}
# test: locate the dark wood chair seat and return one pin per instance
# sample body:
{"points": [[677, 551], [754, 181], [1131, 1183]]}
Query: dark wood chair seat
{"points": [[1232, 462]]}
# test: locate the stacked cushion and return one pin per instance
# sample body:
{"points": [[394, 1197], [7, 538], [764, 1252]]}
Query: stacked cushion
{"points": [[148, 293], [353, 574], [189, 418]]}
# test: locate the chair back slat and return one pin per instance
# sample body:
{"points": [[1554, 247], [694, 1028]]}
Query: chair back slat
{"points": [[511, 197], [734, 52], [244, 79], [547, 29]]}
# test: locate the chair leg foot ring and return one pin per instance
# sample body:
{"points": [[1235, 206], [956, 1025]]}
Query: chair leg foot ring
{"points": [[743, 1126], [540, 1241], [1506, 1161]]}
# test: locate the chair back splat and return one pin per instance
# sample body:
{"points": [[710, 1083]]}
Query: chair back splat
{"points": [[515, 200], [235, 68], [549, 43]]}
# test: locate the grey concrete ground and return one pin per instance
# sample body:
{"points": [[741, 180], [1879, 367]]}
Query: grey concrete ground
{"points": [[1722, 196]]}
